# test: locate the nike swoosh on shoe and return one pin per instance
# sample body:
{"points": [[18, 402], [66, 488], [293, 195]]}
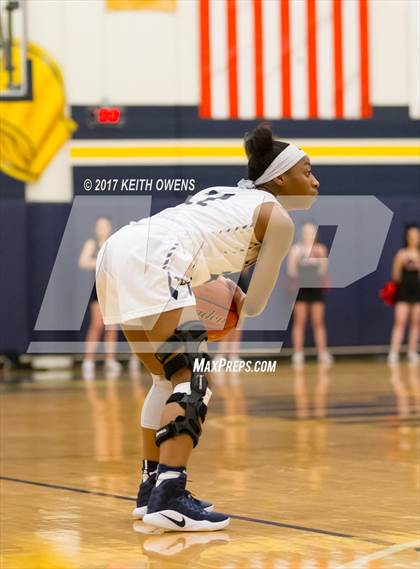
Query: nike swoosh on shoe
{"points": [[180, 524]]}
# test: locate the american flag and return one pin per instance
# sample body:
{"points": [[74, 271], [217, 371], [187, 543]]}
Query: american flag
{"points": [[298, 59]]}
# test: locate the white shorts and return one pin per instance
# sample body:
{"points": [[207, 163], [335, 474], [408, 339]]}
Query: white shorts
{"points": [[142, 271]]}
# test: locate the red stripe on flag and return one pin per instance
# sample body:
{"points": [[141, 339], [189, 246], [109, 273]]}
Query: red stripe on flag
{"points": [[338, 57], [258, 60], [365, 108], [232, 58], [312, 59], [285, 58], [205, 78]]}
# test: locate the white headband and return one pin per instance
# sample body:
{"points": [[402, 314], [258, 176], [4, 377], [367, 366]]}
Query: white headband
{"points": [[281, 163]]}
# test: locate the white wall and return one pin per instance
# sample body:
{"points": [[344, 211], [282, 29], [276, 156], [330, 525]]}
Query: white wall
{"points": [[151, 58], [46, 24], [390, 53], [56, 182], [137, 58], [414, 56]]}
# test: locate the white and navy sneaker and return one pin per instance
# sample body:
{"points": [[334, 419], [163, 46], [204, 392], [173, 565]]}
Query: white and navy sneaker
{"points": [[172, 509], [145, 489]]}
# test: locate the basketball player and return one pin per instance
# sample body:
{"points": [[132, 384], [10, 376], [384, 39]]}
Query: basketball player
{"points": [[307, 265], [145, 275], [87, 261], [406, 273]]}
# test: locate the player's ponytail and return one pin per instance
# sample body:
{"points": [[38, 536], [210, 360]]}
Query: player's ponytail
{"points": [[261, 149]]}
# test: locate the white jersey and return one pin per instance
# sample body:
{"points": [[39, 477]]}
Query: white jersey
{"points": [[150, 266], [218, 223]]}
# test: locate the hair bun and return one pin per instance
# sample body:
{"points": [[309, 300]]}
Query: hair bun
{"points": [[260, 141]]}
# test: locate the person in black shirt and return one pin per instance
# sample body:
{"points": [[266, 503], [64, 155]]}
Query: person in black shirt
{"points": [[406, 273], [307, 268]]}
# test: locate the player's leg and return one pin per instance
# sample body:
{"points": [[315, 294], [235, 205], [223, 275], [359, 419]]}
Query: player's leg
{"points": [[402, 310], [157, 395], [181, 446], [179, 339], [93, 336], [300, 314], [150, 419], [413, 335], [320, 332], [152, 408]]}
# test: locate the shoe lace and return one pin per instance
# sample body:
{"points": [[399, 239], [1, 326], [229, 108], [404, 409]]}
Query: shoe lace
{"points": [[194, 503], [191, 497]]}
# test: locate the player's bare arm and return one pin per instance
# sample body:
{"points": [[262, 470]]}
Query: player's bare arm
{"points": [[275, 230]]}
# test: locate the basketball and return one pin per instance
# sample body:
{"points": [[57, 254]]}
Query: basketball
{"points": [[216, 308]]}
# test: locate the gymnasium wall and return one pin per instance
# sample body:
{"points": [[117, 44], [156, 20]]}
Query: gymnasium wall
{"points": [[147, 58], [151, 58], [27, 261]]}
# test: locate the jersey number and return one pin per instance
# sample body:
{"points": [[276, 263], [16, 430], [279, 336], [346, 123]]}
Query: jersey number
{"points": [[212, 196]]}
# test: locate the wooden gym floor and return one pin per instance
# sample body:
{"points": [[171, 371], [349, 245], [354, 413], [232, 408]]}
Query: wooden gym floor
{"points": [[318, 468]]}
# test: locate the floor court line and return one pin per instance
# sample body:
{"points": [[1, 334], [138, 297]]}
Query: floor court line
{"points": [[233, 516], [67, 488], [355, 564]]}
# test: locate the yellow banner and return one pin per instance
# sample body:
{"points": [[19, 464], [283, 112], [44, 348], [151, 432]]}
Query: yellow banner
{"points": [[32, 132], [161, 5]]}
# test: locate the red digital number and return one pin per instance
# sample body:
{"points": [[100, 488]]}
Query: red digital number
{"points": [[108, 115]]}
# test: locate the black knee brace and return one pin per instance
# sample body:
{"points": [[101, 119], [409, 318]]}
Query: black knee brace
{"points": [[188, 337], [194, 402]]}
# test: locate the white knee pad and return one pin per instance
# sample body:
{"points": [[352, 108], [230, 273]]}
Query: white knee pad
{"points": [[155, 401]]}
